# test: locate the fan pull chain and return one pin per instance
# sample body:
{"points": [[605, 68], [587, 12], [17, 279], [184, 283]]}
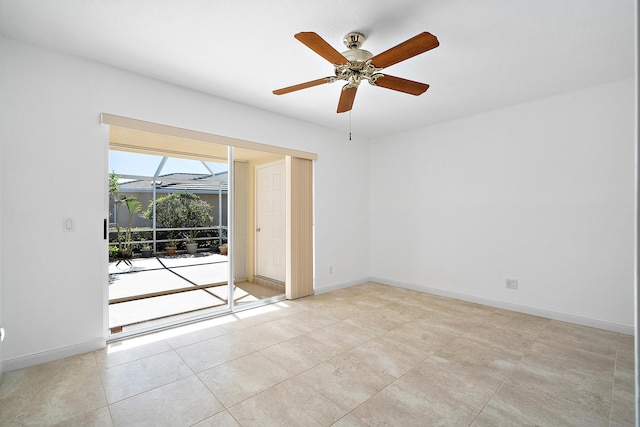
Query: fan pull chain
{"points": [[349, 125]]}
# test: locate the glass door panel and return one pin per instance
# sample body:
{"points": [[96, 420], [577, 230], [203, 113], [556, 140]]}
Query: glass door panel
{"points": [[168, 219]]}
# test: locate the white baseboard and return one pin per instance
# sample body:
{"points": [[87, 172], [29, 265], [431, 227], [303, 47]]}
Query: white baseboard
{"points": [[51, 355], [554, 315], [534, 311], [337, 286]]}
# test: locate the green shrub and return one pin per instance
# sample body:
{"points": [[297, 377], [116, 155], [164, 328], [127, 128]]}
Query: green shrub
{"points": [[180, 210]]}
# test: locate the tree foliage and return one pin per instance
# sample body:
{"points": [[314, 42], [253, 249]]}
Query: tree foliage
{"points": [[114, 186], [133, 207], [180, 210], [131, 202]]}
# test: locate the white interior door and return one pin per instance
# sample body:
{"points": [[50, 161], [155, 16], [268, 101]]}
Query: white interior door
{"points": [[271, 221]]}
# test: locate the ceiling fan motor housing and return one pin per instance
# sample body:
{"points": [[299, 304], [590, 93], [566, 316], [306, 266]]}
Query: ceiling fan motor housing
{"points": [[357, 55], [358, 68]]}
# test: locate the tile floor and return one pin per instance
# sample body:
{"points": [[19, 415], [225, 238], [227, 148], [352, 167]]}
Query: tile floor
{"points": [[367, 355]]}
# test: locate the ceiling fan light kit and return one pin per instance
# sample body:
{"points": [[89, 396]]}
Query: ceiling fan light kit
{"points": [[355, 65]]}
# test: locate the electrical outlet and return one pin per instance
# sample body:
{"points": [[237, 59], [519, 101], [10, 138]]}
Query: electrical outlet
{"points": [[511, 283], [331, 269]]}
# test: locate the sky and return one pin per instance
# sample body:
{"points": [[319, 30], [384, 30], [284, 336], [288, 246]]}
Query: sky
{"points": [[125, 163]]}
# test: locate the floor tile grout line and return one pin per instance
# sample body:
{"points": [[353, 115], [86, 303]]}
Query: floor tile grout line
{"points": [[193, 373], [233, 416], [314, 366], [395, 379], [137, 358], [508, 377], [319, 391], [613, 385], [276, 384], [300, 373], [151, 389], [255, 350], [377, 393], [104, 392], [99, 373], [215, 397]]}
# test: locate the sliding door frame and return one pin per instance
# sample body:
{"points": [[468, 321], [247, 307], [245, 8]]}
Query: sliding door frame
{"points": [[299, 175]]}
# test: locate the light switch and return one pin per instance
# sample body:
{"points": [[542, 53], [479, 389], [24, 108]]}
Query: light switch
{"points": [[67, 224]]}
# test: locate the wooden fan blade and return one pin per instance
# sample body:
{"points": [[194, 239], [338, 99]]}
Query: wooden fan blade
{"points": [[402, 85], [405, 50], [321, 47], [347, 97], [293, 88]]}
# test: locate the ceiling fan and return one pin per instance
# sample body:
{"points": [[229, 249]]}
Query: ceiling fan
{"points": [[355, 65]]}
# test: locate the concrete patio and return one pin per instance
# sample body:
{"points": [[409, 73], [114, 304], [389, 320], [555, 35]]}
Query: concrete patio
{"points": [[153, 277]]}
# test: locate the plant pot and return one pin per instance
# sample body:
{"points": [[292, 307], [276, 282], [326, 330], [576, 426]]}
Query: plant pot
{"points": [[146, 252], [223, 250], [170, 250], [192, 248]]}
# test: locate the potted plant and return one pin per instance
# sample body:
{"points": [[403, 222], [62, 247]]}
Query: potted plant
{"points": [[114, 253], [171, 247], [192, 243], [224, 249], [146, 251], [211, 246], [119, 254]]}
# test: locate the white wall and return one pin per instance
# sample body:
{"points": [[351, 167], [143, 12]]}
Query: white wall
{"points": [[54, 149], [541, 192]]}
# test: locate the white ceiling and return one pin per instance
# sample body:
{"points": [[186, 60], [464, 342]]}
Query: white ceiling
{"points": [[492, 53]]}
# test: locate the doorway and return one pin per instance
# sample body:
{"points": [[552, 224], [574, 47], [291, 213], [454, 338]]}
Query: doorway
{"points": [[244, 160]]}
